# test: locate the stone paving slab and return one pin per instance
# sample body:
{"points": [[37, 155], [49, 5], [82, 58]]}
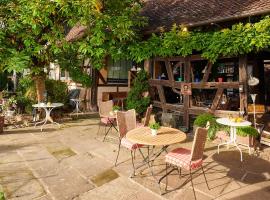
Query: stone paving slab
{"points": [[61, 164], [119, 189]]}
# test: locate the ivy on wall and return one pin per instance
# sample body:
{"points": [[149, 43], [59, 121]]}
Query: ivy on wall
{"points": [[239, 39]]}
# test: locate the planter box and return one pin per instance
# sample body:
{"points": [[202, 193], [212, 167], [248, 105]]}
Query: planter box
{"points": [[248, 141], [2, 120]]}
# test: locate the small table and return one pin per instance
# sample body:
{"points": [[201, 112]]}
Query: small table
{"points": [[48, 109], [165, 137], [233, 126], [77, 106]]}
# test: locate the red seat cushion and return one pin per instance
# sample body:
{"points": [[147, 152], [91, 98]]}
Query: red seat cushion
{"points": [[182, 158], [107, 120], [130, 145]]}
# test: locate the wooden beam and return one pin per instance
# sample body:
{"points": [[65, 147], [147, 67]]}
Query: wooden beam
{"points": [[207, 85], [215, 85], [101, 78], [168, 106], [243, 79], [161, 97], [196, 110], [169, 71], [217, 99], [207, 72], [186, 98]]}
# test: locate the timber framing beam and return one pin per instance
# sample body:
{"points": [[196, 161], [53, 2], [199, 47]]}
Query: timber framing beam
{"points": [[207, 85], [187, 108]]}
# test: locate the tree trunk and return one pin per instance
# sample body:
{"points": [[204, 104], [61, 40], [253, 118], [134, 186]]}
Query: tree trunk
{"points": [[40, 87], [94, 88]]}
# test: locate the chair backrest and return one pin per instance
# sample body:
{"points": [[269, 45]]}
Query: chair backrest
{"points": [[148, 115], [105, 107], [198, 144], [126, 121]]}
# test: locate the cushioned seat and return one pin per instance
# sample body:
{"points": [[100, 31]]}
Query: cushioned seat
{"points": [[106, 120], [130, 145], [182, 158]]}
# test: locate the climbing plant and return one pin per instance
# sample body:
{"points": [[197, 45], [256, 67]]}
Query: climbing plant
{"points": [[239, 39], [136, 97]]}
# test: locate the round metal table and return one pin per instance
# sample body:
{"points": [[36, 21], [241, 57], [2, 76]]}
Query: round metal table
{"points": [[233, 126], [48, 109]]}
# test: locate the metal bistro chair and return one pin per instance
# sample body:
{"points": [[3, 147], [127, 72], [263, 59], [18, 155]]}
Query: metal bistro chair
{"points": [[104, 112], [188, 159], [126, 121]]}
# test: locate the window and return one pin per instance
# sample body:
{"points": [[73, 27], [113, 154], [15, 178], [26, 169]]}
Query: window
{"points": [[118, 71]]}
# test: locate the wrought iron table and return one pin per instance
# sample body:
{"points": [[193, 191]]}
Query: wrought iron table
{"points": [[48, 109]]}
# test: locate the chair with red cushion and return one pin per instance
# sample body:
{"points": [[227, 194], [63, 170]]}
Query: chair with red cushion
{"points": [[188, 159], [126, 121], [105, 108]]}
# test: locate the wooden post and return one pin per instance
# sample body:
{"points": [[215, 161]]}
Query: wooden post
{"points": [[217, 99], [162, 97], [207, 72], [243, 80], [187, 70]]}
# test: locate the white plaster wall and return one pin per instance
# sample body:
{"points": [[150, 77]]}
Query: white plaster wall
{"points": [[110, 89]]}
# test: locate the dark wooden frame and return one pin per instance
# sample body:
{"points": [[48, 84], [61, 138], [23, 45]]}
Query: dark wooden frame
{"points": [[187, 108]]}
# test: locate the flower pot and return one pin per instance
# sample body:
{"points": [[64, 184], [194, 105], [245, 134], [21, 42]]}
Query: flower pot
{"points": [[153, 132], [2, 120], [220, 79]]}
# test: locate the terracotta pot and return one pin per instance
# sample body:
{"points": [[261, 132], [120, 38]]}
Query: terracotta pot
{"points": [[248, 140], [2, 120]]}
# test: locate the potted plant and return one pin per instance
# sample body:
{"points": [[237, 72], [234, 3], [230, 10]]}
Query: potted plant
{"points": [[247, 135], [154, 128]]}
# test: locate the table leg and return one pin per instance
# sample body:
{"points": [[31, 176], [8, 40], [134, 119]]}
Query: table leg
{"points": [[232, 139], [47, 118], [77, 108]]}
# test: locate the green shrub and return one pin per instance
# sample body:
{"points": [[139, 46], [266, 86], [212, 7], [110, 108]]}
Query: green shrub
{"points": [[246, 131], [135, 99], [56, 91], [201, 120]]}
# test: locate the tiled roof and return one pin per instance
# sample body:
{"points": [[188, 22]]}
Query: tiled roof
{"points": [[164, 13]]}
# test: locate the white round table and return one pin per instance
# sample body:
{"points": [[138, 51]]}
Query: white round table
{"points": [[233, 126], [77, 105], [48, 109]]}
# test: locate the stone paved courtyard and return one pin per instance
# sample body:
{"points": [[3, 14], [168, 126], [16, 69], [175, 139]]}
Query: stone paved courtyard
{"points": [[74, 163]]}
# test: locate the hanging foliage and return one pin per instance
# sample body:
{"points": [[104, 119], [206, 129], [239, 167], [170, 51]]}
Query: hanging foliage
{"points": [[239, 39]]}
